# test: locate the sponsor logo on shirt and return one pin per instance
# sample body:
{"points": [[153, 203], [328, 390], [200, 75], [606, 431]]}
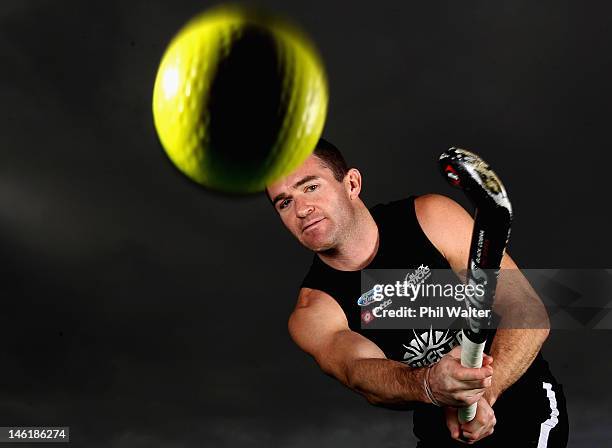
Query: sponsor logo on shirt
{"points": [[421, 274], [367, 298], [367, 316]]}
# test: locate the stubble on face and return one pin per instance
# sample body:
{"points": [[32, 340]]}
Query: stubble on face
{"points": [[335, 229]]}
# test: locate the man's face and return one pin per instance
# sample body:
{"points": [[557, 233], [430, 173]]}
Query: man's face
{"points": [[313, 205]]}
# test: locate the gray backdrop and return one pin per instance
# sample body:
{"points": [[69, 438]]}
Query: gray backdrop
{"points": [[142, 311]]}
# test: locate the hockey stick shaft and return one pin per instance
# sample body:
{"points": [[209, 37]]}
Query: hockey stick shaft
{"points": [[467, 171]]}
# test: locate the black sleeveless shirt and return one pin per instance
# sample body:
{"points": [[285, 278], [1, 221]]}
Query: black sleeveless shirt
{"points": [[404, 245]]}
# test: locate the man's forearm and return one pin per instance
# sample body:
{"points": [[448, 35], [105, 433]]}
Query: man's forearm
{"points": [[384, 382], [523, 329], [513, 351]]}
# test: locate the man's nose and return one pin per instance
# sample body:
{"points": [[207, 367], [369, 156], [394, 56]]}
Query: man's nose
{"points": [[303, 208]]}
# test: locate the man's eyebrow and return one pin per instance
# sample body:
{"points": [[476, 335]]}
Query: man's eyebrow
{"points": [[303, 181], [278, 198], [295, 186]]}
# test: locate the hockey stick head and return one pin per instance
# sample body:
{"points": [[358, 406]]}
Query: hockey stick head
{"points": [[465, 170]]}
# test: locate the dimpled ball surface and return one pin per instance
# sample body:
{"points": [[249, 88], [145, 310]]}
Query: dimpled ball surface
{"points": [[240, 99]]}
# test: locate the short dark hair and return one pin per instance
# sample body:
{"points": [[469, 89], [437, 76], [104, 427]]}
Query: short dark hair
{"points": [[332, 158]]}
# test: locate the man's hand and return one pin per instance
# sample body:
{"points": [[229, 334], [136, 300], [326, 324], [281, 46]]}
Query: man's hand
{"points": [[458, 386], [473, 431]]}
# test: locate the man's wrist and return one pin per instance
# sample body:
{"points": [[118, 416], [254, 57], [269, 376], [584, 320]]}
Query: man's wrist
{"points": [[491, 395], [420, 374], [429, 396]]}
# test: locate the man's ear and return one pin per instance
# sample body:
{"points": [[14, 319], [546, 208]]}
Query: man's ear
{"points": [[352, 182]]}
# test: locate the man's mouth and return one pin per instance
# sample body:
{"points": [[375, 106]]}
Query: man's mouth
{"points": [[311, 224]]}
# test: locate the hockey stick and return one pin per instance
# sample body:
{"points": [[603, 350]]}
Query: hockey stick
{"points": [[467, 171]]}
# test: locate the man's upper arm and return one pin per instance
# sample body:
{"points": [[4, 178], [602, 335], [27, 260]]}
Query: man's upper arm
{"points": [[318, 326], [449, 228]]}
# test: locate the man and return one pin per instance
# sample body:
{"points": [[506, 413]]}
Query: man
{"points": [[516, 394]]}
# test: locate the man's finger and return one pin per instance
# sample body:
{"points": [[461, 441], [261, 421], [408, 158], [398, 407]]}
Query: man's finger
{"points": [[452, 422], [487, 360], [482, 425], [475, 384], [455, 431], [467, 374], [468, 398]]}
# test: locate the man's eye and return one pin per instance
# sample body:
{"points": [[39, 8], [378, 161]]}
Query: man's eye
{"points": [[312, 187], [284, 204]]}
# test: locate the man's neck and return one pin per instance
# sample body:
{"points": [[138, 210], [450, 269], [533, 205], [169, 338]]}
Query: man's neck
{"points": [[359, 247]]}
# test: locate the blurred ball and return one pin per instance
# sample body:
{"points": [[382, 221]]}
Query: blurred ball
{"points": [[240, 99]]}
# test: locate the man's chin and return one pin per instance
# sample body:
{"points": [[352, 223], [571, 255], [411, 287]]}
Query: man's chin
{"points": [[325, 249], [320, 238], [317, 245]]}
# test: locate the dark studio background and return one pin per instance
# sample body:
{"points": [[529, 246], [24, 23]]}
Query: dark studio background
{"points": [[142, 311]]}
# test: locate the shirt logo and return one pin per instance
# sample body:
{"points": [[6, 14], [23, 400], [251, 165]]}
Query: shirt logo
{"points": [[367, 317], [366, 298], [429, 347], [422, 273]]}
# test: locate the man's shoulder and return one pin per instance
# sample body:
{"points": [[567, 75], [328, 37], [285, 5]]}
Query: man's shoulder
{"points": [[435, 204], [396, 204], [426, 210], [421, 204]]}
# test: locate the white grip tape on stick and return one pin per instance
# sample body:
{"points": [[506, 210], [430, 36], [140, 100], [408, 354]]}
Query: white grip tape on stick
{"points": [[471, 356]]}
